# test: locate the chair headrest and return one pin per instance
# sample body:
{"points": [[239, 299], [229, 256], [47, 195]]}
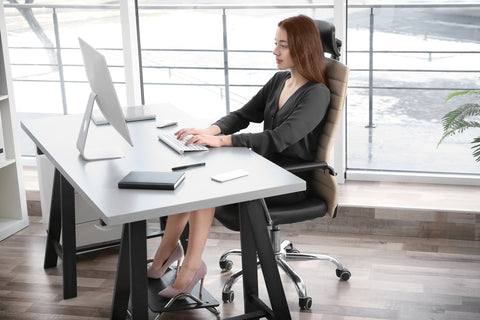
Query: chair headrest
{"points": [[330, 44]]}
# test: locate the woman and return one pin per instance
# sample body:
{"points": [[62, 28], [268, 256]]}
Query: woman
{"points": [[292, 106]]}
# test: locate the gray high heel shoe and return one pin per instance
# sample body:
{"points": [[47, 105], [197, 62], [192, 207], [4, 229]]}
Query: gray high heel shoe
{"points": [[177, 254], [170, 292]]}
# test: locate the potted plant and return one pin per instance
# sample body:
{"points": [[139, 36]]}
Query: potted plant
{"points": [[462, 118]]}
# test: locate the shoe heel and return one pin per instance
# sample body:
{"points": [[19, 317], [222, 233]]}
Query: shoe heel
{"points": [[178, 267], [201, 288], [177, 254]]}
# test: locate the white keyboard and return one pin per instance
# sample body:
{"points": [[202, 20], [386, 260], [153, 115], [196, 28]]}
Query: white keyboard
{"points": [[179, 145]]}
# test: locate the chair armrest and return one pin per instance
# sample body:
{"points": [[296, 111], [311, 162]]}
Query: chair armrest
{"points": [[310, 166]]}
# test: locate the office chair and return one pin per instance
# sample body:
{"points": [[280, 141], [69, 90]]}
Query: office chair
{"points": [[323, 198]]}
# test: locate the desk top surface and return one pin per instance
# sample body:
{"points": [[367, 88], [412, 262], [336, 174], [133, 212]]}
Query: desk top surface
{"points": [[97, 181]]}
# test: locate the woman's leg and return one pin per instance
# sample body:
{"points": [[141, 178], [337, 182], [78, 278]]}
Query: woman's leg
{"points": [[200, 222], [174, 228]]}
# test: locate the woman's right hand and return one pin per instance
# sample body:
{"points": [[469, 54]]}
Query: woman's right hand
{"points": [[212, 130]]}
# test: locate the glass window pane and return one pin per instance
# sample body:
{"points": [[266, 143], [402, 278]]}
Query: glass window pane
{"points": [[183, 53], [397, 92], [38, 66]]}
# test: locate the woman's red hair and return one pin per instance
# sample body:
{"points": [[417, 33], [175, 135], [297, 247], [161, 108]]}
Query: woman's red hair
{"points": [[305, 47]]}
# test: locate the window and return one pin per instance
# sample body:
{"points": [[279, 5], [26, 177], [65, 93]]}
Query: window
{"points": [[404, 62], [211, 59], [47, 68]]}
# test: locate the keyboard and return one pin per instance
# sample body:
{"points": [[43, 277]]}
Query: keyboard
{"points": [[179, 145], [137, 113]]}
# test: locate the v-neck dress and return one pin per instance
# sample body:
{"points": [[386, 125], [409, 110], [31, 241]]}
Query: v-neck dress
{"points": [[289, 133]]}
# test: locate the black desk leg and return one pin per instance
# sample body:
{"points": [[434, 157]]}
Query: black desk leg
{"points": [[249, 260], [62, 222], [132, 273], [138, 269], [122, 279], [255, 239], [54, 224]]}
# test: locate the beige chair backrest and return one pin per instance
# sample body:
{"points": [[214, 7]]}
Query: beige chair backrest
{"points": [[323, 184]]}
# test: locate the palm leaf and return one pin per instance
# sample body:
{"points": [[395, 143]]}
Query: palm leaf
{"points": [[454, 121], [461, 93], [476, 149], [462, 118]]}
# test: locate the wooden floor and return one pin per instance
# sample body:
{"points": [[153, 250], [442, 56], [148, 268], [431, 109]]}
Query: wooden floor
{"points": [[392, 278]]}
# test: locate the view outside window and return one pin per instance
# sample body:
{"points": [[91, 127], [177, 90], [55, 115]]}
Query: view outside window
{"points": [[404, 61], [48, 81], [419, 57], [184, 53]]}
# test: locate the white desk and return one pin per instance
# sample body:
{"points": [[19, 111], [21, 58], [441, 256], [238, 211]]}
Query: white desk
{"points": [[97, 182]]}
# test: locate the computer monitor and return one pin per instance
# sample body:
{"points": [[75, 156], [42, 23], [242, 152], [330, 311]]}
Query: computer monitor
{"points": [[103, 92]]}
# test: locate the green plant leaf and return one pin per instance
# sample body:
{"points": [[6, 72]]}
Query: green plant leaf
{"points": [[454, 121], [461, 93], [476, 149], [464, 117]]}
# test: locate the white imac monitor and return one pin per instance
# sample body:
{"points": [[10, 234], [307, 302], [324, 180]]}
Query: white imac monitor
{"points": [[103, 92]]}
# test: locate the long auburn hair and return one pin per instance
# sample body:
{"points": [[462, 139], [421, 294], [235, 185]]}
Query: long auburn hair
{"points": [[306, 48]]}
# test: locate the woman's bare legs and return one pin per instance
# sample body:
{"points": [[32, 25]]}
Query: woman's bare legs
{"points": [[200, 222], [174, 228]]}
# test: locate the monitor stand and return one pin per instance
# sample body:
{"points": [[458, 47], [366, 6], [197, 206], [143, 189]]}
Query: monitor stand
{"points": [[94, 153]]}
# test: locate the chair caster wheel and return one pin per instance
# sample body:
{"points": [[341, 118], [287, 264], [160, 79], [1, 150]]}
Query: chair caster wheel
{"points": [[226, 265], [291, 249], [343, 274], [305, 303], [228, 297]]}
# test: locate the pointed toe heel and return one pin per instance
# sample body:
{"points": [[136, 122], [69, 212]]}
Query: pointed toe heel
{"points": [[170, 292]]}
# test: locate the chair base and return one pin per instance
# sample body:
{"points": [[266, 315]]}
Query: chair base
{"points": [[284, 251]]}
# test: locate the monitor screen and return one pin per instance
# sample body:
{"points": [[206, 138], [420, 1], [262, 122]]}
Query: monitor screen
{"points": [[103, 92]]}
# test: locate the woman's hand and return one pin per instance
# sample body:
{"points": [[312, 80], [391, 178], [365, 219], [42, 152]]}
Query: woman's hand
{"points": [[209, 140], [207, 136], [181, 134]]}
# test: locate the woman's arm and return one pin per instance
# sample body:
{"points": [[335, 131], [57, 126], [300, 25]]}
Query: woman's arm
{"points": [[253, 110]]}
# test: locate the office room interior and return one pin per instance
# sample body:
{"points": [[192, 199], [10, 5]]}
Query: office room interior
{"points": [[407, 225]]}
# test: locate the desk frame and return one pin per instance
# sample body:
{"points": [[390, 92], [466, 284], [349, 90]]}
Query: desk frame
{"points": [[131, 274], [71, 172]]}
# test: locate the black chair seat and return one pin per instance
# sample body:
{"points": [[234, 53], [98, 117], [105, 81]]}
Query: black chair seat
{"points": [[307, 209]]}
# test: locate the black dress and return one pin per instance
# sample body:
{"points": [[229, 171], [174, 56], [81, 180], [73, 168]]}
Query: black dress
{"points": [[289, 134]]}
